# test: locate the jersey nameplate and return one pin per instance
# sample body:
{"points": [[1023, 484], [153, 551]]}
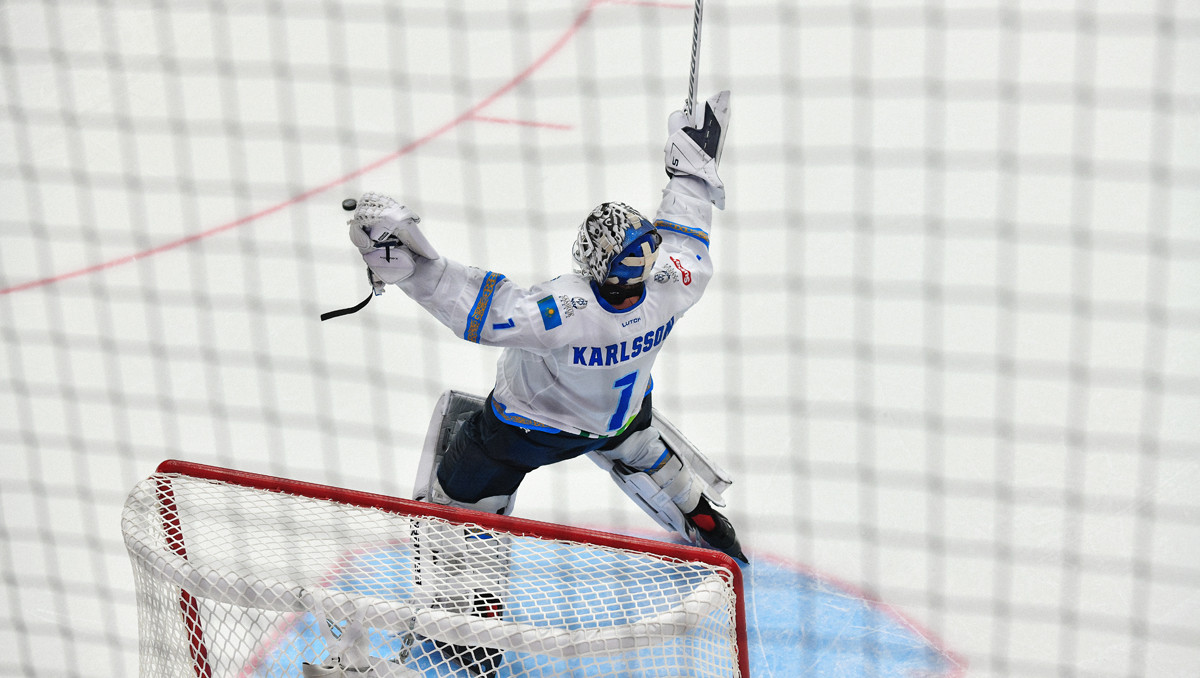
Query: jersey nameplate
{"points": [[613, 354]]}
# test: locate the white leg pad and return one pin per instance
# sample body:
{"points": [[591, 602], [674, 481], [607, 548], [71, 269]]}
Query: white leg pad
{"points": [[713, 479], [655, 478], [451, 410], [461, 568], [665, 487], [457, 565], [646, 493]]}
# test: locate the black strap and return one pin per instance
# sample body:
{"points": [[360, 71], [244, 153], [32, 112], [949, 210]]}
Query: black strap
{"points": [[348, 311]]}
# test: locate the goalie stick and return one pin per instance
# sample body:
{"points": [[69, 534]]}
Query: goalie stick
{"points": [[694, 79]]}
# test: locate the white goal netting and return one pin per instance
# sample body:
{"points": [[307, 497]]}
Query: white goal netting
{"points": [[235, 580]]}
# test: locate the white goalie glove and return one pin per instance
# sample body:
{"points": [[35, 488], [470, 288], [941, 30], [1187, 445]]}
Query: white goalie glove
{"points": [[388, 235], [694, 144]]}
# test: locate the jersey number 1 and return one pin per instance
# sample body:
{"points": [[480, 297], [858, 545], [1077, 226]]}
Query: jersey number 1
{"points": [[625, 383]]}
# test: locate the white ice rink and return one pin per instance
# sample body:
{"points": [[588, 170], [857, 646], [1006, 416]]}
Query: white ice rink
{"points": [[951, 352]]}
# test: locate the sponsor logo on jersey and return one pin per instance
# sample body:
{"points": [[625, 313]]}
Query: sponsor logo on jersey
{"points": [[613, 354], [687, 275]]}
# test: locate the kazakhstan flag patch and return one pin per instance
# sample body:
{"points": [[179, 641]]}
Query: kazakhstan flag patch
{"points": [[551, 316]]}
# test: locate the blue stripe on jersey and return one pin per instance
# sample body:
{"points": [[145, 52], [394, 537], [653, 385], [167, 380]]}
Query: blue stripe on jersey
{"points": [[551, 316], [698, 234], [503, 415], [483, 302]]}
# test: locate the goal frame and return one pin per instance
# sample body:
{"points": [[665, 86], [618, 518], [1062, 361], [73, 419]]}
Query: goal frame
{"points": [[409, 507]]}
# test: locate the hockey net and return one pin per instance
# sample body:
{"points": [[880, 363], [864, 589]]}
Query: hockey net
{"points": [[240, 574]]}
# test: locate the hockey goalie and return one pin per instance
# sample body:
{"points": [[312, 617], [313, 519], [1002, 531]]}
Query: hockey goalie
{"points": [[575, 374]]}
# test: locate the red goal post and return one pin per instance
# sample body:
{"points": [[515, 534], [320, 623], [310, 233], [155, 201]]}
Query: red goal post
{"points": [[235, 570]]}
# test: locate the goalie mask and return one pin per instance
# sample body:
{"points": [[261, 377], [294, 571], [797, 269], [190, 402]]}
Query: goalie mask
{"points": [[616, 245]]}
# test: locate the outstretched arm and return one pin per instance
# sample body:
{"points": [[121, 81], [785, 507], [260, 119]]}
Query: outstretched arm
{"points": [[485, 307], [477, 305]]}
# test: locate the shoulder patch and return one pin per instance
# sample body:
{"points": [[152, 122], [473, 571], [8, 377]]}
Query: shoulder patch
{"points": [[666, 275], [570, 304], [551, 316]]}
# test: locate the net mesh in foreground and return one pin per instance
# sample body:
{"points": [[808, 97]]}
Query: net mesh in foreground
{"points": [[951, 352], [247, 575]]}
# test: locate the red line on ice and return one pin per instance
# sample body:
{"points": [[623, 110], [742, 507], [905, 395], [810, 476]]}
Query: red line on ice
{"points": [[469, 114], [523, 123]]}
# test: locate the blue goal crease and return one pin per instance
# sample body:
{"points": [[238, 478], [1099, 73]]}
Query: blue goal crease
{"points": [[797, 623]]}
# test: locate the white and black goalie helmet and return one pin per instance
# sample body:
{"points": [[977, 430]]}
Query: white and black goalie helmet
{"points": [[616, 245]]}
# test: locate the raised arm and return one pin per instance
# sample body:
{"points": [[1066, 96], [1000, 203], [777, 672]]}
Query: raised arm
{"points": [[692, 154]]}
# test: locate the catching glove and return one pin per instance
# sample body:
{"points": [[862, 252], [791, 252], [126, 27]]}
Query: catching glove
{"points": [[388, 235], [694, 144]]}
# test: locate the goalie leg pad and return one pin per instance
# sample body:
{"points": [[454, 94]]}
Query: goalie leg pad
{"points": [[465, 569], [655, 478], [642, 489], [714, 479], [645, 452], [450, 414], [459, 567]]}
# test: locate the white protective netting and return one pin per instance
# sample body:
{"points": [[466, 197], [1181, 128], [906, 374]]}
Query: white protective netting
{"points": [[238, 581], [950, 353]]}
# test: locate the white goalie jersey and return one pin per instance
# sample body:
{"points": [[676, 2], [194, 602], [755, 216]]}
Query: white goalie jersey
{"points": [[572, 362]]}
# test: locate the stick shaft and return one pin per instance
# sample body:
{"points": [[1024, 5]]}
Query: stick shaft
{"points": [[695, 76]]}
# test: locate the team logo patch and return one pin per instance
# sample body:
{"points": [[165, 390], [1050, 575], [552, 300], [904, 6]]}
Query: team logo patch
{"points": [[565, 302], [666, 275], [570, 304]]}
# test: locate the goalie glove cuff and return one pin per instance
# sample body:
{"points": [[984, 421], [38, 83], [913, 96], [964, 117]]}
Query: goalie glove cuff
{"points": [[390, 264]]}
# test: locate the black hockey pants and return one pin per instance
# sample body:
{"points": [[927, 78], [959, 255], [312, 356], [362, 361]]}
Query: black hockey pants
{"points": [[489, 457]]}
